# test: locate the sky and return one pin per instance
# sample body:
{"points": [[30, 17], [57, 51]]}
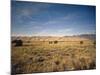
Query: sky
{"points": [[51, 19]]}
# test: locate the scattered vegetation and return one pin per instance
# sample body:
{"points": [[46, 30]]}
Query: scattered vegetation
{"points": [[44, 57]]}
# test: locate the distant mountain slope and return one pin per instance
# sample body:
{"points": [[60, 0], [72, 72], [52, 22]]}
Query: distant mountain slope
{"points": [[86, 36]]}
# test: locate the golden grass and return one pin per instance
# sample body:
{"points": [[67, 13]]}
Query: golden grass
{"points": [[41, 56]]}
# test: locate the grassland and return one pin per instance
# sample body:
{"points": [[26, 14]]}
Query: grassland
{"points": [[44, 55]]}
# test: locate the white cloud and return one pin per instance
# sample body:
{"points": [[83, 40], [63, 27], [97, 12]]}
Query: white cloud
{"points": [[59, 32], [64, 30]]}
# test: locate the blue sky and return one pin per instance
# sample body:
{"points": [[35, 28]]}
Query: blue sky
{"points": [[46, 19]]}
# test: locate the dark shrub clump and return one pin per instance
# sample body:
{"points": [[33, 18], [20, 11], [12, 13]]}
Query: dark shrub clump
{"points": [[81, 42], [50, 42], [55, 42], [18, 42]]}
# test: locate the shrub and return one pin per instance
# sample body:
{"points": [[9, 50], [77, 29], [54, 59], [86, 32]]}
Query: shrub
{"points": [[18, 42], [55, 42], [50, 42], [94, 42], [81, 42]]}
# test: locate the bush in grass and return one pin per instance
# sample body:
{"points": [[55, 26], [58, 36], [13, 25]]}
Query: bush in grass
{"points": [[50, 42], [18, 42], [81, 42], [94, 42], [55, 42]]}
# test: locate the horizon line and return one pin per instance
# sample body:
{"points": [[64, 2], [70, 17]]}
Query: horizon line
{"points": [[52, 35]]}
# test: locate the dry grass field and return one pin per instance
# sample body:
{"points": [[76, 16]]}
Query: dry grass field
{"points": [[52, 54]]}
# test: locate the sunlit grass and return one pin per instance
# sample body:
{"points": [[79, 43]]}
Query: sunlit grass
{"points": [[46, 57]]}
